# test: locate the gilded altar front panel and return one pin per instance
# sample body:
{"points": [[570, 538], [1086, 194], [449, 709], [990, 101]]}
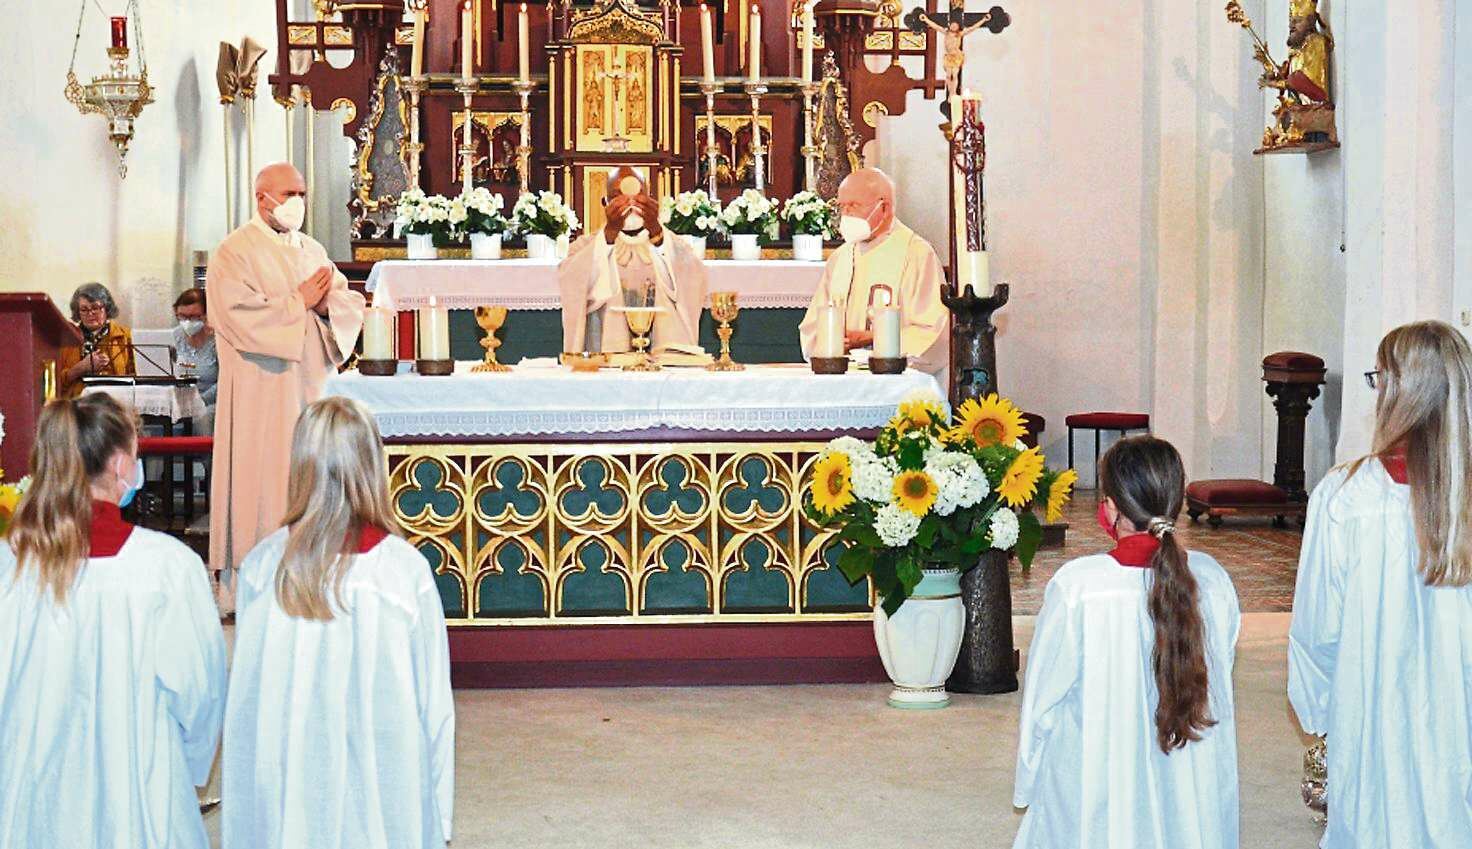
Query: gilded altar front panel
{"points": [[681, 532]]}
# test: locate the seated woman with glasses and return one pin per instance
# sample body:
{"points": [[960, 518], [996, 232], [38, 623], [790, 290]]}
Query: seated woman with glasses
{"points": [[107, 345]]}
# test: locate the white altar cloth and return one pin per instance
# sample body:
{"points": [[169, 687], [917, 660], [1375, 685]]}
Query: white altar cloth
{"points": [[531, 401], [531, 284], [175, 402]]}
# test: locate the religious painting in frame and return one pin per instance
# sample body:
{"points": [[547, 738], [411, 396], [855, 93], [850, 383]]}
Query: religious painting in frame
{"points": [[735, 164], [595, 189], [496, 132]]}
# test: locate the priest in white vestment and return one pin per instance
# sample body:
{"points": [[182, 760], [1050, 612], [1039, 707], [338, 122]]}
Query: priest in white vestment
{"points": [[284, 319], [631, 253], [881, 263]]}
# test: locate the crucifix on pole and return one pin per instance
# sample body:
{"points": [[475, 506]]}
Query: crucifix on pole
{"points": [[954, 25]]}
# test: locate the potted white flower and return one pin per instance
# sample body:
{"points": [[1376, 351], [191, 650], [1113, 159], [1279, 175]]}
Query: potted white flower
{"points": [[811, 220], [545, 221], [749, 218], [692, 215], [484, 222], [425, 221]]}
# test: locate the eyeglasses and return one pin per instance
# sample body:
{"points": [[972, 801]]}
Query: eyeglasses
{"points": [[92, 310], [1372, 378]]}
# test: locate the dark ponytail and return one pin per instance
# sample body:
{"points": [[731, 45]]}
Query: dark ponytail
{"points": [[1146, 480]]}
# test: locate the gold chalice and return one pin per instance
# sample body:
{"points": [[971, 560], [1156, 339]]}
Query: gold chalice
{"points": [[490, 320], [641, 321], [723, 308]]}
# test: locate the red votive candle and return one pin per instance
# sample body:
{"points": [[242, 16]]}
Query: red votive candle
{"points": [[120, 33]]}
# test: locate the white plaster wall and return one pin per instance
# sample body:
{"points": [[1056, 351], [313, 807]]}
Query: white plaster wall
{"points": [[66, 218]]}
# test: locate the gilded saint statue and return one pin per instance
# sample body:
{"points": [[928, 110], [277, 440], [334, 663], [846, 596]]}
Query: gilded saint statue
{"points": [[1303, 120], [637, 104], [592, 92]]}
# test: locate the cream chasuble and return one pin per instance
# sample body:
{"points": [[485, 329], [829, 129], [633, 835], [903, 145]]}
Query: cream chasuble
{"points": [[592, 277], [908, 266], [275, 354]]}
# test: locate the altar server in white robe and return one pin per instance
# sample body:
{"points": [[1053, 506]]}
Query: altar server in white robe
{"points": [[1380, 649], [632, 253], [1128, 737], [882, 262], [112, 662], [284, 319], [340, 728]]}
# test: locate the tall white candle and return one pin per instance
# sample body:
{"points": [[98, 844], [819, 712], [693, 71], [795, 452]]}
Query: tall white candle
{"points": [[754, 39], [975, 271], [416, 56], [467, 41], [523, 44], [707, 45], [807, 41], [887, 332], [434, 332], [830, 332], [378, 333]]}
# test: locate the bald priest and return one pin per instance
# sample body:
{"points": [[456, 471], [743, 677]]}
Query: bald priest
{"points": [[881, 263]]}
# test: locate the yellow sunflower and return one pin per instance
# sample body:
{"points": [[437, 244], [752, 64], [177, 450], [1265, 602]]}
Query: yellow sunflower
{"points": [[1059, 493], [991, 421], [915, 492], [833, 487], [918, 413], [1020, 483]]}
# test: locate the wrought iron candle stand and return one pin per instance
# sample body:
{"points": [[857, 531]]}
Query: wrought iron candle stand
{"points": [[712, 157], [809, 149], [758, 148], [467, 89], [416, 87], [524, 147]]}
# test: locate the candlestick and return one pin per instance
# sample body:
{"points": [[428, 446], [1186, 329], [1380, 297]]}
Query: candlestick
{"points": [[378, 333], [807, 42], [968, 161], [415, 86], [524, 149], [523, 44], [887, 332], [467, 42], [830, 332], [120, 33], [712, 156], [434, 331], [754, 41], [467, 141], [758, 147], [416, 55], [809, 149], [707, 46]]}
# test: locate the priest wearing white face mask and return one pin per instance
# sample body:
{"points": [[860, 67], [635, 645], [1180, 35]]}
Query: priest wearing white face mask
{"points": [[882, 262], [284, 319]]}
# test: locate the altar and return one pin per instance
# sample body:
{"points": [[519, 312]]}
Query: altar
{"points": [[575, 520]]}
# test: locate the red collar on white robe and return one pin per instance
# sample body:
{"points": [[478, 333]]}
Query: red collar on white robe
{"points": [[1395, 466], [369, 537], [1135, 550], [109, 532]]}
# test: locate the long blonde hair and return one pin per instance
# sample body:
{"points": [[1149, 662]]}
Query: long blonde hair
{"points": [[1425, 407], [53, 523], [338, 486]]}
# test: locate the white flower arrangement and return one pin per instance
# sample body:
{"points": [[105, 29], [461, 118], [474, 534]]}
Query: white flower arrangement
{"points": [[959, 478], [419, 214], [483, 212], [690, 214], [807, 214], [543, 214], [1004, 528], [751, 213], [895, 525]]}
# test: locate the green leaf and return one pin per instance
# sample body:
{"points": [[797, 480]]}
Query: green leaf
{"points": [[908, 572], [928, 529], [855, 563], [893, 600], [1029, 537]]}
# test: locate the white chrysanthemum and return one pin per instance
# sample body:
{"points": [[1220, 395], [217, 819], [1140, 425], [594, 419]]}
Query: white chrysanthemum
{"points": [[873, 476], [895, 525], [685, 206], [1004, 528], [2, 428], [848, 445], [457, 212], [960, 480]]}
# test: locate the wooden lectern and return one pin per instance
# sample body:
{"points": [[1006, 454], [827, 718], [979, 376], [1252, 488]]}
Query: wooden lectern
{"points": [[34, 332]]}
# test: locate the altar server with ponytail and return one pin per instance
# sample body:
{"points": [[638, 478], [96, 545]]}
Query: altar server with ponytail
{"points": [[340, 731], [1380, 649], [1128, 736], [112, 662]]}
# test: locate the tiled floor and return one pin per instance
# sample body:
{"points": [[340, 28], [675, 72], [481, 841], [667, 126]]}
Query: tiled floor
{"points": [[1261, 559]]}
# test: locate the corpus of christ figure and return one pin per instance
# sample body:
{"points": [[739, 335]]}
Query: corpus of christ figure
{"points": [[954, 26]]}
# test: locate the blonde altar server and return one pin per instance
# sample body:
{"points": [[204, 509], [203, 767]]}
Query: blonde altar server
{"points": [[881, 262], [340, 728], [1380, 649], [112, 662], [284, 318], [631, 253], [1128, 737]]}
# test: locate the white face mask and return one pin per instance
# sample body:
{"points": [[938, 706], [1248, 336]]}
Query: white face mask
{"points": [[854, 229], [633, 222], [290, 213], [191, 326]]}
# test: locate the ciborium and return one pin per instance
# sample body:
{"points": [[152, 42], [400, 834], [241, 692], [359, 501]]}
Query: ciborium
{"points": [[723, 308], [490, 320]]}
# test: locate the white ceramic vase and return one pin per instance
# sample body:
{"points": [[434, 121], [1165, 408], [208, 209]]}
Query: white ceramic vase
{"points": [[485, 246], [920, 642], [539, 247], [744, 247], [421, 246], [563, 246], [696, 243], [807, 248]]}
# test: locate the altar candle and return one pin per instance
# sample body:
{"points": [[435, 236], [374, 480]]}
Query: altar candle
{"points": [[754, 39], [807, 41], [467, 41], [120, 33], [830, 332], [887, 332], [707, 45], [378, 333], [434, 332], [416, 56], [523, 44]]}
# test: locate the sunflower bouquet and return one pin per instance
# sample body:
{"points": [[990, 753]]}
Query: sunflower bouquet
{"points": [[935, 492]]}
